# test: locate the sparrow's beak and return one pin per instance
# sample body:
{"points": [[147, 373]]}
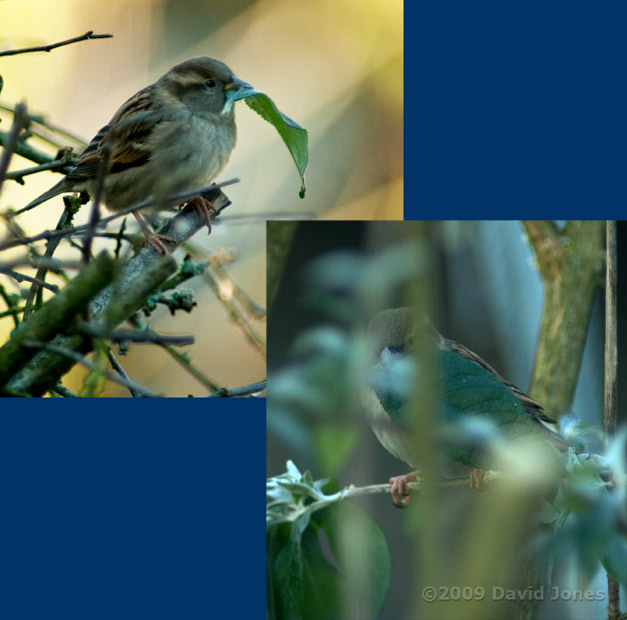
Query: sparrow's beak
{"points": [[237, 89], [388, 356]]}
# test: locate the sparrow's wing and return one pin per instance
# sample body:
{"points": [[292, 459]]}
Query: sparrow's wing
{"points": [[532, 407], [126, 135], [474, 408], [476, 401]]}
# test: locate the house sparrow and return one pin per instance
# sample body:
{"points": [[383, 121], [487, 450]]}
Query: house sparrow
{"points": [[473, 403], [174, 135]]}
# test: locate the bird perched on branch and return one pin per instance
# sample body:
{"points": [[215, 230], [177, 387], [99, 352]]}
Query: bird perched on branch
{"points": [[174, 135], [474, 406]]}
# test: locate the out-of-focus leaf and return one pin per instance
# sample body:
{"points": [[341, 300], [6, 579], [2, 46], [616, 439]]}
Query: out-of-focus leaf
{"points": [[361, 550], [334, 444], [304, 579], [314, 382]]}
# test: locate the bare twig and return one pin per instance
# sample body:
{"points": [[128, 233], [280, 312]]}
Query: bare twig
{"points": [[47, 48], [127, 335], [13, 308], [20, 277], [118, 368], [13, 312], [80, 359], [56, 165], [26, 151], [42, 269], [20, 121], [245, 390], [94, 217], [212, 191], [38, 119], [215, 279], [61, 390], [190, 368]]}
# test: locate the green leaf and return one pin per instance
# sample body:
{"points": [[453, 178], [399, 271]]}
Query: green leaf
{"points": [[301, 583], [346, 575], [334, 444], [362, 553], [295, 137]]}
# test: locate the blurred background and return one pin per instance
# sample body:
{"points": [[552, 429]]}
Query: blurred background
{"points": [[333, 66], [483, 290]]}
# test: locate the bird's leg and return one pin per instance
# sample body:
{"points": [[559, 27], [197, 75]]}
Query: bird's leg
{"points": [[205, 208], [400, 493], [475, 477], [153, 238]]}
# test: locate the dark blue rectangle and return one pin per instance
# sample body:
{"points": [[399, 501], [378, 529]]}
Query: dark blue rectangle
{"points": [[132, 508], [515, 110]]}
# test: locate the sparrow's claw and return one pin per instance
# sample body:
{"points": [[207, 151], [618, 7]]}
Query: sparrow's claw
{"points": [[401, 495], [476, 477], [205, 208], [156, 240]]}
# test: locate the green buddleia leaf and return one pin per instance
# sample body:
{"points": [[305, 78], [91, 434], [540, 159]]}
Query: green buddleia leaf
{"points": [[333, 563], [293, 135]]}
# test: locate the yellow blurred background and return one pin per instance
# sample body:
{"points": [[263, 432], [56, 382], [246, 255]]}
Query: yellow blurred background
{"points": [[334, 66]]}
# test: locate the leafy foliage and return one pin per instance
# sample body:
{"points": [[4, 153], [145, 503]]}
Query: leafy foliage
{"points": [[321, 563]]}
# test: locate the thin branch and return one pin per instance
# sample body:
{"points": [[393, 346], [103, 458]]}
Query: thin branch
{"points": [[80, 359], [212, 193], [177, 198], [20, 277], [25, 150], [118, 368], [65, 164], [42, 269], [225, 295], [13, 312], [13, 308], [47, 48], [245, 390], [38, 119], [145, 336], [94, 217], [20, 121], [184, 361], [61, 390]]}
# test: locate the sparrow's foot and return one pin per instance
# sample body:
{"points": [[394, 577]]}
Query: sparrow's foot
{"points": [[476, 478], [205, 208], [155, 240], [401, 495]]}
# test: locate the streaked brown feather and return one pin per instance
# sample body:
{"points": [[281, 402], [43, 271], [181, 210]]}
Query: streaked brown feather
{"points": [[129, 148]]}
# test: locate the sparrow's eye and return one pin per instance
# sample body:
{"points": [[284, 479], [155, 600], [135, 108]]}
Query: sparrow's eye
{"points": [[210, 83], [396, 350]]}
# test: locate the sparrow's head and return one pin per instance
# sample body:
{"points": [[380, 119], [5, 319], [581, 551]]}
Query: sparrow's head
{"points": [[392, 332], [205, 85]]}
